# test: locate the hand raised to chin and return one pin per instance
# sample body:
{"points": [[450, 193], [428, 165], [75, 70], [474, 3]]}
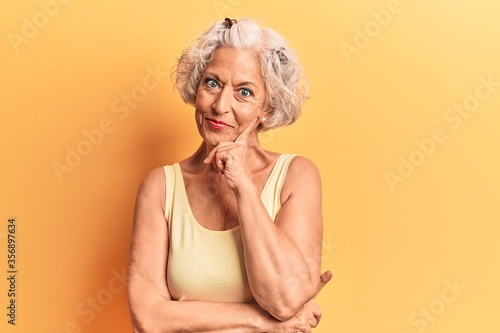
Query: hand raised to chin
{"points": [[230, 157]]}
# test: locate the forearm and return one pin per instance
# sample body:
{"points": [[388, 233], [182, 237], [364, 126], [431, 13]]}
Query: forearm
{"points": [[162, 316], [278, 274]]}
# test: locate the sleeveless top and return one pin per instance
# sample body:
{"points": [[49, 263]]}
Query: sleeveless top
{"points": [[204, 264]]}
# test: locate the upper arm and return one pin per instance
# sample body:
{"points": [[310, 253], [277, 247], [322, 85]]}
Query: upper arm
{"points": [[149, 245], [300, 216]]}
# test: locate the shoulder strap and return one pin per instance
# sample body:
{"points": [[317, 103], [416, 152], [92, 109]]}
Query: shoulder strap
{"points": [[169, 191], [282, 169], [271, 195]]}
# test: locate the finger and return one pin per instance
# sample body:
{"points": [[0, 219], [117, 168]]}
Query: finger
{"points": [[220, 161], [223, 155], [242, 138], [325, 277], [317, 313], [305, 328], [302, 325], [318, 319], [323, 280], [312, 321], [210, 157]]}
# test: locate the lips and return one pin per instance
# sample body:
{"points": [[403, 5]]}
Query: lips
{"points": [[217, 124]]}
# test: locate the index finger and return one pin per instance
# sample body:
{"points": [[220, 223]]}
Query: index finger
{"points": [[242, 138]]}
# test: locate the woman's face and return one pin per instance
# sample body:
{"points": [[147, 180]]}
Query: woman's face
{"points": [[230, 96]]}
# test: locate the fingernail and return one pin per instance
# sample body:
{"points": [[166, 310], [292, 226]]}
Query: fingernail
{"points": [[205, 161]]}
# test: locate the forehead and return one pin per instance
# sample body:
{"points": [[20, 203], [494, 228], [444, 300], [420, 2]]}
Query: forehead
{"points": [[235, 64]]}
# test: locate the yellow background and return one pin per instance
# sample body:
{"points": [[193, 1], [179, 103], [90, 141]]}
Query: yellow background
{"points": [[394, 249]]}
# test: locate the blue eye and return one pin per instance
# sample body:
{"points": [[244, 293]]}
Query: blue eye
{"points": [[245, 92], [211, 83]]}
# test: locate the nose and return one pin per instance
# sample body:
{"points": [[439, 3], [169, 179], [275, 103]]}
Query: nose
{"points": [[223, 101]]}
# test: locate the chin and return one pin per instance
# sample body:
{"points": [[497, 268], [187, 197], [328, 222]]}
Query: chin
{"points": [[214, 138]]}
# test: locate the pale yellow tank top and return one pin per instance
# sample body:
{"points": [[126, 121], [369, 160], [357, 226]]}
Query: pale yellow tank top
{"points": [[204, 264]]}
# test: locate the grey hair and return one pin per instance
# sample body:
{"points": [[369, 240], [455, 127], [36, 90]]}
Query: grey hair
{"points": [[284, 79]]}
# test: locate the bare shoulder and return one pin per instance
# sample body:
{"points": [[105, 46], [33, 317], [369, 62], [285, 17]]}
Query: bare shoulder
{"points": [[300, 163], [302, 176], [153, 186], [302, 168]]}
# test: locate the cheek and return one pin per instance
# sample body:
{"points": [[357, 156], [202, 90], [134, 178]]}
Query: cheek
{"points": [[203, 100], [198, 98], [246, 114], [251, 109]]}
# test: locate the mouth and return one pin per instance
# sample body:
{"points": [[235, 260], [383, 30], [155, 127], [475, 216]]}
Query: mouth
{"points": [[217, 124]]}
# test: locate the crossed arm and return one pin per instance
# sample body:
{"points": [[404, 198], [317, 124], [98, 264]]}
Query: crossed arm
{"points": [[282, 260]]}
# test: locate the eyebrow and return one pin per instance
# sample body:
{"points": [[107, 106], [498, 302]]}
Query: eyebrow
{"points": [[215, 76], [244, 83]]}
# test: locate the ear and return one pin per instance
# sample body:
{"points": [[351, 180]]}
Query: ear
{"points": [[268, 112], [265, 117]]}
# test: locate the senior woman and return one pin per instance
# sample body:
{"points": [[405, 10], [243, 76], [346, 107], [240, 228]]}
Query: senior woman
{"points": [[229, 239]]}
